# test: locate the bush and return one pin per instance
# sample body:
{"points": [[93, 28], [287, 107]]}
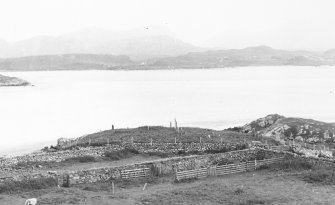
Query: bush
{"points": [[321, 176], [121, 154], [81, 159], [159, 154], [212, 151], [238, 191], [291, 164], [27, 185]]}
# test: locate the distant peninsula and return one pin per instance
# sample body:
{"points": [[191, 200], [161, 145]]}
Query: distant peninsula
{"points": [[12, 81], [251, 56]]}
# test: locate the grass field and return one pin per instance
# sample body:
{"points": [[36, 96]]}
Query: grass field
{"points": [[284, 183], [165, 134]]}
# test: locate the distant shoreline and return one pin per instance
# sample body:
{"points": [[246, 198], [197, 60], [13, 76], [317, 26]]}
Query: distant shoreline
{"points": [[171, 69]]}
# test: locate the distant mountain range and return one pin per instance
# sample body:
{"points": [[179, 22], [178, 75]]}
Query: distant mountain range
{"points": [[138, 44], [146, 48]]}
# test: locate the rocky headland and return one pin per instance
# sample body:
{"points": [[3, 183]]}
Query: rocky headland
{"points": [[12, 81], [283, 129]]}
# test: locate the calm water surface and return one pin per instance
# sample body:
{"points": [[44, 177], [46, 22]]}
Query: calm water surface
{"points": [[74, 103]]}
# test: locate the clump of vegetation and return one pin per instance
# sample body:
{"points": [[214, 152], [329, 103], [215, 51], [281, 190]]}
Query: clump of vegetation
{"points": [[235, 129], [294, 164], [81, 159], [158, 154], [34, 164], [120, 183], [121, 154], [214, 151], [325, 176], [27, 185], [187, 180], [238, 191]]}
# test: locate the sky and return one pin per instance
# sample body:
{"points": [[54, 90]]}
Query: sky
{"points": [[287, 24]]}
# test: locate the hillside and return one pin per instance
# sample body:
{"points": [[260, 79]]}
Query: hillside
{"points": [[283, 128], [251, 56], [65, 62], [151, 53], [139, 44], [159, 134], [12, 81]]}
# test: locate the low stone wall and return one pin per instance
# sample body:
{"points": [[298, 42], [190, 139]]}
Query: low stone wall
{"points": [[313, 152], [163, 166], [159, 167], [171, 148]]}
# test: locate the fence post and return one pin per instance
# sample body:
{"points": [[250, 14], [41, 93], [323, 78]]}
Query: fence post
{"points": [[255, 164], [151, 142], [132, 140], [113, 187], [200, 140]]}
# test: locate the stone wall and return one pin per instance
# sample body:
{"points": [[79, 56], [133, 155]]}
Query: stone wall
{"points": [[61, 155], [161, 167], [164, 166]]}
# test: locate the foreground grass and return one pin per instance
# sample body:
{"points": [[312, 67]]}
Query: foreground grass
{"points": [[309, 172], [27, 185], [259, 187]]}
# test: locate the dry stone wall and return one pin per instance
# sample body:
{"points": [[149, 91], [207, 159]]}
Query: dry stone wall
{"points": [[160, 167], [163, 166], [61, 155]]}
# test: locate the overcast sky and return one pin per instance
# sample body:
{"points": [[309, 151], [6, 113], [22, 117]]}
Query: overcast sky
{"points": [[289, 24]]}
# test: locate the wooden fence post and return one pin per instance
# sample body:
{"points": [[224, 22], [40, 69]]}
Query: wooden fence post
{"points": [[151, 142], [255, 164], [113, 187], [145, 185]]}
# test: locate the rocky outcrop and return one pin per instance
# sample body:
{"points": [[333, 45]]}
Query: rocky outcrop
{"points": [[262, 123], [282, 129], [12, 81]]}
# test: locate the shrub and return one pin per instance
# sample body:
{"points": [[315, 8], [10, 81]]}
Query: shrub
{"points": [[188, 180], [291, 164], [81, 159], [121, 154], [238, 191], [159, 154], [212, 151], [321, 176], [27, 185]]}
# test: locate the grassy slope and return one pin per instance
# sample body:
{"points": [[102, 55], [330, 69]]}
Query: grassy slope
{"points": [[165, 134]]}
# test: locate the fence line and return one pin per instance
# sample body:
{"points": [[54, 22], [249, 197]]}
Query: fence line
{"points": [[135, 173], [225, 169]]}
